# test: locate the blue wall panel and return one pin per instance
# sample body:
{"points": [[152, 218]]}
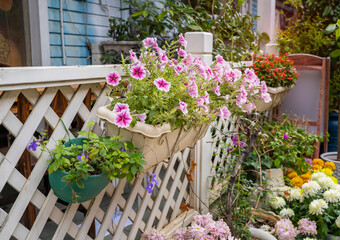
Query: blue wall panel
{"points": [[83, 21]]}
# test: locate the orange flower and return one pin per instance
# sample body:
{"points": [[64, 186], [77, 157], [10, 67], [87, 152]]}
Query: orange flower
{"points": [[292, 175], [318, 161], [289, 170], [330, 165], [297, 182], [305, 177], [316, 167]]}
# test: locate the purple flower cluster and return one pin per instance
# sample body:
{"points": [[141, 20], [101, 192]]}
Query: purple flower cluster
{"points": [[153, 180], [285, 230], [307, 227], [202, 227]]}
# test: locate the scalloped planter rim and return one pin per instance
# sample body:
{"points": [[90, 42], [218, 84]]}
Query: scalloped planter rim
{"points": [[156, 142]]}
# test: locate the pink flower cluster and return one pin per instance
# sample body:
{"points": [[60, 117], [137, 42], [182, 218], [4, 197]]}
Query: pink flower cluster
{"points": [[202, 227], [307, 227], [285, 230], [162, 84]]}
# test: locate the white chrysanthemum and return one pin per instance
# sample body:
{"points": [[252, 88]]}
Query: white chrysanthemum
{"points": [[295, 194], [277, 202], [282, 190], [286, 213], [310, 188], [332, 196], [336, 187], [317, 206], [325, 182], [337, 221], [317, 175]]}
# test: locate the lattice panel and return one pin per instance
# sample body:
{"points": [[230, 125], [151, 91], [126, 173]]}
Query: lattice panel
{"points": [[137, 209], [221, 134]]}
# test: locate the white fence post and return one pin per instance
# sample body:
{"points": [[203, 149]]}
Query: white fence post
{"points": [[200, 44]]}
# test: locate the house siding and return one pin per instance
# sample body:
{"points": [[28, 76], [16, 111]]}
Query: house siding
{"points": [[83, 20]]}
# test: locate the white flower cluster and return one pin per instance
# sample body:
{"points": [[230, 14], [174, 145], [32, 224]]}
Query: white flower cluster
{"points": [[295, 194], [310, 189], [286, 213], [317, 207], [277, 202], [332, 196], [317, 175]]}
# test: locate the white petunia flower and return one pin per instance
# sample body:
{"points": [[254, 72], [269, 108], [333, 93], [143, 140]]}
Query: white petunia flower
{"points": [[286, 213], [277, 202], [310, 188], [295, 194], [317, 175], [337, 221], [325, 182], [332, 196], [317, 206]]}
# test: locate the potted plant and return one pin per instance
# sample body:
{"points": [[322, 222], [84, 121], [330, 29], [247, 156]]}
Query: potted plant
{"points": [[280, 75], [169, 98], [314, 210], [82, 167]]}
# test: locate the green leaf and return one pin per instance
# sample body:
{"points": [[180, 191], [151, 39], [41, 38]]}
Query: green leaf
{"points": [[337, 34], [277, 162], [160, 16], [331, 28], [133, 170], [129, 177], [80, 184], [326, 11], [265, 36], [195, 27], [335, 53], [240, 2], [145, 13], [83, 133], [136, 14]]}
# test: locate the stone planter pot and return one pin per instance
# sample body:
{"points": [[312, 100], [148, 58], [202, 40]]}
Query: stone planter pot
{"points": [[277, 94], [94, 184], [157, 143], [332, 237]]}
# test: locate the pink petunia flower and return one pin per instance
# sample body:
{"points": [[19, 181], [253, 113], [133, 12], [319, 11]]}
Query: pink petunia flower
{"points": [[224, 113], [219, 59], [193, 89], [162, 85], [121, 107], [141, 117], [113, 78], [150, 42], [182, 40], [181, 52], [249, 107], [133, 56], [217, 90], [183, 107], [206, 98], [138, 71], [123, 119]]}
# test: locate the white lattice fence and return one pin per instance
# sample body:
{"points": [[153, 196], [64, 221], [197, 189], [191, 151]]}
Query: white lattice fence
{"points": [[123, 210]]}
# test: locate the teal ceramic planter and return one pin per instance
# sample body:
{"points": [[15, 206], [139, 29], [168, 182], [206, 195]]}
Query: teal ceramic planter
{"points": [[94, 184]]}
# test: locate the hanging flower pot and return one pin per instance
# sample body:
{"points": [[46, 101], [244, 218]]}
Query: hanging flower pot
{"points": [[82, 167], [71, 193], [156, 142], [277, 95]]}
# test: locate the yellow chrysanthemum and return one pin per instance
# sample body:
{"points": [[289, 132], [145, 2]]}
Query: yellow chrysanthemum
{"points": [[292, 175], [335, 180], [316, 167], [289, 170], [330, 165], [318, 161], [327, 171], [306, 177], [297, 182]]}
